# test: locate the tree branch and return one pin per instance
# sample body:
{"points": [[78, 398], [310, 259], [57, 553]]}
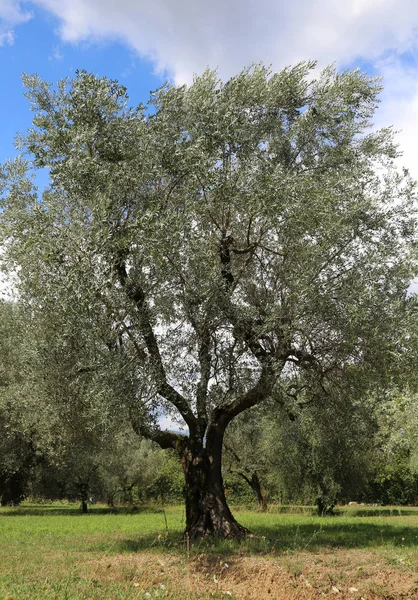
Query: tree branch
{"points": [[165, 439], [243, 329], [136, 294], [223, 415], [202, 386]]}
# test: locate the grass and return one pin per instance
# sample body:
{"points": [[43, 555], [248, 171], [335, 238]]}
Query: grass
{"points": [[53, 552]]}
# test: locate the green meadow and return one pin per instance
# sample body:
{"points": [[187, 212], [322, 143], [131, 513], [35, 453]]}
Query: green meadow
{"points": [[54, 552]]}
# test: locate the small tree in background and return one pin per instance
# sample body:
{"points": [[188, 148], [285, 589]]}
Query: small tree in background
{"points": [[325, 454], [20, 412], [244, 453]]}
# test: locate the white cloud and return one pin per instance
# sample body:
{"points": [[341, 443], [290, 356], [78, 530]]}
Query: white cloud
{"points": [[11, 12], [7, 37], [11, 15], [184, 36], [167, 423], [399, 106], [56, 54]]}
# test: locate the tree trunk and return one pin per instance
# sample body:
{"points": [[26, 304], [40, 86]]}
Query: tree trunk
{"points": [[207, 511], [256, 486], [11, 487], [83, 495], [325, 507]]}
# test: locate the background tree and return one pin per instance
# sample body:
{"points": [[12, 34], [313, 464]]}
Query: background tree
{"points": [[394, 479], [244, 454], [233, 234], [87, 438], [20, 413], [133, 470], [325, 453]]}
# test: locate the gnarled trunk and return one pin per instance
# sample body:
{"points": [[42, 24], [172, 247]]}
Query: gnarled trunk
{"points": [[207, 511]]}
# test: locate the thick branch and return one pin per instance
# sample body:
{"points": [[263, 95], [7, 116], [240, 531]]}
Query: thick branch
{"points": [[165, 439], [302, 358], [225, 258], [243, 328], [139, 351], [205, 363], [136, 294], [223, 415]]}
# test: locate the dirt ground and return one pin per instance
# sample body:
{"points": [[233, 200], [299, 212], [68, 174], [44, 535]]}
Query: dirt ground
{"points": [[340, 574]]}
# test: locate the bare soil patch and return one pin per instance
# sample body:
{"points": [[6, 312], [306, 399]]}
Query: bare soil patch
{"points": [[339, 574]]}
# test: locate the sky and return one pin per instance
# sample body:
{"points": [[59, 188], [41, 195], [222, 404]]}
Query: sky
{"points": [[145, 43]]}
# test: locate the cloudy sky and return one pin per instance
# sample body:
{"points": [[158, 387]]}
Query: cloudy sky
{"points": [[145, 42]]}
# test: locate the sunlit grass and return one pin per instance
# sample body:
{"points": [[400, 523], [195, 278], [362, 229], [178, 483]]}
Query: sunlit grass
{"points": [[55, 552]]}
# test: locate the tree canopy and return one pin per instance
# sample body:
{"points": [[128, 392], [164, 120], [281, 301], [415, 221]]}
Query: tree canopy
{"points": [[214, 246]]}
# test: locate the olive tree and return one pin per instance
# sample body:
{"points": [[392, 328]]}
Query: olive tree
{"points": [[20, 395], [214, 241], [325, 454], [244, 453]]}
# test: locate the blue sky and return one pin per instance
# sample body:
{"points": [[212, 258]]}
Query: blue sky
{"points": [[38, 49], [143, 43]]}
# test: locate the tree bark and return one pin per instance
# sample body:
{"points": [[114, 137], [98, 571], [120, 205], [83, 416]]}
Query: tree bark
{"points": [[11, 489], [83, 496], [256, 486], [207, 512], [325, 507]]}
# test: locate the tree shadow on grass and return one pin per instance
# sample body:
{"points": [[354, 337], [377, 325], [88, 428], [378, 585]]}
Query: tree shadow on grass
{"points": [[346, 531], [284, 538], [39, 510]]}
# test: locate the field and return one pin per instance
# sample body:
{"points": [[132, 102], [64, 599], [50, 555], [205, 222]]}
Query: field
{"points": [[53, 552]]}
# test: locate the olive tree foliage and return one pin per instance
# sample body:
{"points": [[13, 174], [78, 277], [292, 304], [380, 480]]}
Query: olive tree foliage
{"points": [[308, 445], [214, 241], [128, 467], [24, 419], [395, 467], [244, 453], [90, 445], [325, 454]]}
